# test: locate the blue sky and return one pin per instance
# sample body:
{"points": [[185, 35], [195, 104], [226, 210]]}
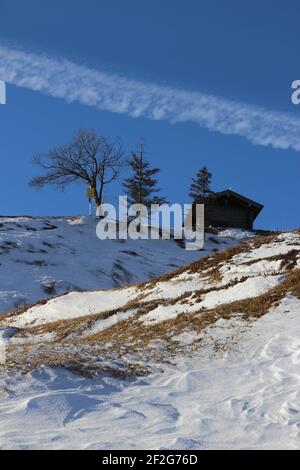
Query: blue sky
{"points": [[238, 52]]}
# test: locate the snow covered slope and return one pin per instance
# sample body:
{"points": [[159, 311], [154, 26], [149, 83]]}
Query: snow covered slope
{"points": [[207, 356], [242, 282], [46, 257]]}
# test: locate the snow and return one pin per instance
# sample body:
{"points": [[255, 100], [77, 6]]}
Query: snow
{"points": [[75, 304], [51, 256], [175, 288], [247, 399], [282, 244], [251, 287], [219, 292], [187, 337], [265, 266], [101, 325], [248, 289], [78, 304], [232, 383], [236, 233], [163, 313]]}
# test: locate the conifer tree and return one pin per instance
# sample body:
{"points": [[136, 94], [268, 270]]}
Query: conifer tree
{"points": [[141, 186], [201, 184]]}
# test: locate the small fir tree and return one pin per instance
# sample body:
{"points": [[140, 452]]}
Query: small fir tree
{"points": [[201, 185], [141, 186]]}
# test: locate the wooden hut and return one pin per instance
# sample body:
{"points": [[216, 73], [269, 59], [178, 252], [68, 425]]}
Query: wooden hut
{"points": [[230, 209]]}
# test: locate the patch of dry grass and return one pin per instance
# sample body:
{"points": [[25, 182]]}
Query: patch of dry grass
{"points": [[132, 336], [211, 264]]}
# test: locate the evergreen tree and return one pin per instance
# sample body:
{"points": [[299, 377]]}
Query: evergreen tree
{"points": [[200, 187], [141, 186]]}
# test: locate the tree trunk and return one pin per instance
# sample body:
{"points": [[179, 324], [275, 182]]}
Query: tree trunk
{"points": [[99, 197]]}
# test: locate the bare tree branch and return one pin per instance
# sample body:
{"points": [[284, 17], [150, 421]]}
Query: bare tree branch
{"points": [[90, 157]]}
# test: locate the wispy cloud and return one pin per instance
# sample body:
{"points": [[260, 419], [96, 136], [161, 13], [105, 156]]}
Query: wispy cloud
{"points": [[61, 78]]}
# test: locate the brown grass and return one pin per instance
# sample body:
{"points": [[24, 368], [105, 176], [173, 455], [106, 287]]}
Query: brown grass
{"points": [[132, 338], [139, 333], [211, 263]]}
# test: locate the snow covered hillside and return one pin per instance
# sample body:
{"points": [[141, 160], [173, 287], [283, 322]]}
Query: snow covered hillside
{"points": [[207, 356], [46, 257]]}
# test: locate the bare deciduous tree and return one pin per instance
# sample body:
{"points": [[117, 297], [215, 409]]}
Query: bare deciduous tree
{"points": [[90, 157]]}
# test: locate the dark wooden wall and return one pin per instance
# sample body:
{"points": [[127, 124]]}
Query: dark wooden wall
{"points": [[222, 216], [229, 212]]}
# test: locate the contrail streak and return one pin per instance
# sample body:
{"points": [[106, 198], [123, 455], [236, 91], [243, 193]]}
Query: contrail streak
{"points": [[64, 79]]}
